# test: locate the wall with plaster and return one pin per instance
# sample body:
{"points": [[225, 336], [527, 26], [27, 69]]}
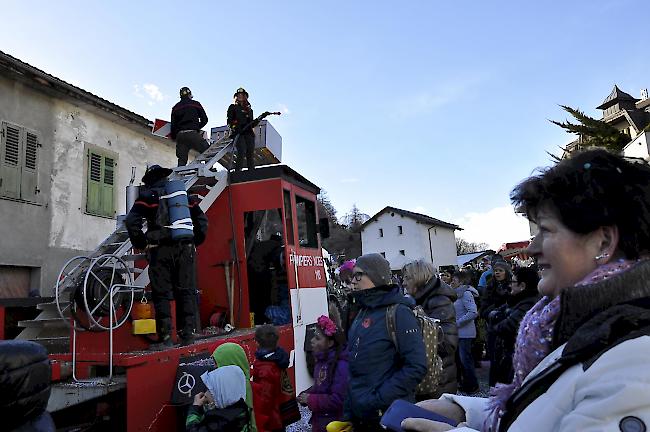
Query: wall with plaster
{"points": [[43, 235]]}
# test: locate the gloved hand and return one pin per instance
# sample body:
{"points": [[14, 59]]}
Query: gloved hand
{"points": [[339, 426]]}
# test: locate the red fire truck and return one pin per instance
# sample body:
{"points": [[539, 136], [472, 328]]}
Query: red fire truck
{"points": [[262, 251]]}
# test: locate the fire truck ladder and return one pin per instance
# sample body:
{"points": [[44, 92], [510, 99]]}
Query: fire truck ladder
{"points": [[90, 289]]}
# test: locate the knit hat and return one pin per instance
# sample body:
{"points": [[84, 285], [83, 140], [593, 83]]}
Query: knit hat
{"points": [[376, 268], [503, 265]]}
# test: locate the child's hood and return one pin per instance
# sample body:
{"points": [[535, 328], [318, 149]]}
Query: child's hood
{"points": [[279, 356], [227, 385]]}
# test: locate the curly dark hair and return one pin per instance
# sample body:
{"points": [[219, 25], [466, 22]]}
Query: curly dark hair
{"points": [[592, 189]]}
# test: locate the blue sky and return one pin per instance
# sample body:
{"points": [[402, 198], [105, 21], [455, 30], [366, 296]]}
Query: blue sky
{"points": [[431, 106]]}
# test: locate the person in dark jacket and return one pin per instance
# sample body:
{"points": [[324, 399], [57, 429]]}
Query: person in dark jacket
{"points": [[171, 263], [380, 372], [494, 296], [223, 406], [504, 321], [188, 118], [242, 124], [24, 387], [437, 299]]}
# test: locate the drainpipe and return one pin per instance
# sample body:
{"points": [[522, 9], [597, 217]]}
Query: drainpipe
{"points": [[430, 247]]}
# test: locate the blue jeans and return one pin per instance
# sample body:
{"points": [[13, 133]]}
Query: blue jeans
{"points": [[467, 363]]}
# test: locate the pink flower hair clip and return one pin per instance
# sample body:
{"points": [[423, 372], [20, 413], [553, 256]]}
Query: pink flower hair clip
{"points": [[327, 326]]}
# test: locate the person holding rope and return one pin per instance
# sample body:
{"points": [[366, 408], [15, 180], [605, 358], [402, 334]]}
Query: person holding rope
{"points": [[241, 123]]}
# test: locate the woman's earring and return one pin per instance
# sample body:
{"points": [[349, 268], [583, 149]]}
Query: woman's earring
{"points": [[602, 256]]}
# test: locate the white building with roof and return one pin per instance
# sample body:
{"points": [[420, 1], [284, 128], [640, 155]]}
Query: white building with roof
{"points": [[402, 236]]}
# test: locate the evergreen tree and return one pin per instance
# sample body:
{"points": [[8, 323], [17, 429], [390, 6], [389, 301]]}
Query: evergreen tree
{"points": [[593, 132], [325, 207], [354, 219]]}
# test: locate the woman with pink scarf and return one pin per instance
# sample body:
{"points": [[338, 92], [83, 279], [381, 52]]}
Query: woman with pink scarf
{"points": [[582, 353]]}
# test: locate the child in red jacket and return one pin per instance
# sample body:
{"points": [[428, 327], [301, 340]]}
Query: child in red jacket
{"points": [[267, 368]]}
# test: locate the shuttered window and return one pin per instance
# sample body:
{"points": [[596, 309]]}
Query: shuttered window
{"points": [[100, 183], [19, 151]]}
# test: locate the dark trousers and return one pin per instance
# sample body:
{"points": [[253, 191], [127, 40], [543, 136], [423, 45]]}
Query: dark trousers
{"points": [[186, 141], [171, 272], [245, 146], [470, 381]]}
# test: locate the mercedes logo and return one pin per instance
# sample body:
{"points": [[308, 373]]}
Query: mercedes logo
{"points": [[186, 383]]}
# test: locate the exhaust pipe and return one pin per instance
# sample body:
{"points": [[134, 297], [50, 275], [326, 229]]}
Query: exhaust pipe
{"points": [[132, 192]]}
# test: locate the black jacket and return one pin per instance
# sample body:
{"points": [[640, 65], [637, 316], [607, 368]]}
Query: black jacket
{"points": [[238, 117], [188, 114], [494, 296], [146, 207], [234, 418], [24, 387], [504, 322], [437, 299]]}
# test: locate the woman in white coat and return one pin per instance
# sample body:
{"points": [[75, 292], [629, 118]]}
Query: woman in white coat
{"points": [[583, 351]]}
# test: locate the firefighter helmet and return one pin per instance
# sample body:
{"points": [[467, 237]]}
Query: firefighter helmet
{"points": [[241, 90], [185, 92]]}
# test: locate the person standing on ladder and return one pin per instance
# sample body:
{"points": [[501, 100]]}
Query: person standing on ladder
{"points": [[188, 117], [171, 262], [242, 123]]}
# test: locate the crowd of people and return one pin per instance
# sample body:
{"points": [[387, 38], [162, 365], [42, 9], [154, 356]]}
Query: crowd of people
{"points": [[566, 340]]}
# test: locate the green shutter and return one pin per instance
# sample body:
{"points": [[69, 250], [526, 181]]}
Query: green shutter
{"points": [[108, 195], [10, 161], [29, 173], [100, 196], [94, 185]]}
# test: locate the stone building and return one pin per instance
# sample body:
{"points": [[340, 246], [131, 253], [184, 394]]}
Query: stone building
{"points": [[66, 157]]}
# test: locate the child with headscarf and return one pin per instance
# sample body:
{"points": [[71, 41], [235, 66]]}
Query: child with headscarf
{"points": [[229, 354], [222, 407]]}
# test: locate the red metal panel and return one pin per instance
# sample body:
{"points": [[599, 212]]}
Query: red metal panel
{"points": [[309, 261]]}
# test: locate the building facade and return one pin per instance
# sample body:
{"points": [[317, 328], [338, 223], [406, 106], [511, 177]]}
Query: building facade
{"points": [[66, 157], [631, 116], [402, 236]]}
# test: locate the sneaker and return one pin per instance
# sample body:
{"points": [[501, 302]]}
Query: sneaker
{"points": [[162, 345]]}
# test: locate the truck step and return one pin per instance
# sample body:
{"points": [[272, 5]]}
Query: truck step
{"points": [[40, 323]]}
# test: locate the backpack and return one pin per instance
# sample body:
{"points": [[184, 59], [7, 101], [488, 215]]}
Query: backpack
{"points": [[431, 331]]}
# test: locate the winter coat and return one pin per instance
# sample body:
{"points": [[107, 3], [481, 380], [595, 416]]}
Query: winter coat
{"points": [[187, 114], [504, 322], [485, 278], [25, 387], [234, 418], [267, 388], [240, 116], [437, 299], [466, 311], [602, 334], [327, 395], [146, 207], [495, 295], [379, 373]]}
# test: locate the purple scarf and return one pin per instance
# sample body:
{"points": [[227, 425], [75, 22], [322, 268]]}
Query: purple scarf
{"points": [[534, 342]]}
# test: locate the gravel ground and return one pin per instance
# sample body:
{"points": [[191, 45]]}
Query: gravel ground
{"points": [[303, 425]]}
